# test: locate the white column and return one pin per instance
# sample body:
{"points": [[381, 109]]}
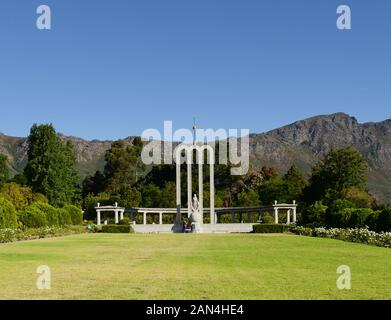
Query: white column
{"points": [[121, 215], [276, 215], [144, 217], [294, 215], [178, 187], [98, 217], [189, 182], [116, 216], [160, 217], [212, 189], [288, 216], [201, 187]]}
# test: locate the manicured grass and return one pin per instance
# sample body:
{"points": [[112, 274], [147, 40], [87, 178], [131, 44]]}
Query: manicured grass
{"points": [[184, 266]]}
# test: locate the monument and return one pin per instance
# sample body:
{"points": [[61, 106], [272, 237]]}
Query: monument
{"points": [[196, 203]]}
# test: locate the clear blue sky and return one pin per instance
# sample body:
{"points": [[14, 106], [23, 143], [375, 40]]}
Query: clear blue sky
{"points": [[110, 69]]}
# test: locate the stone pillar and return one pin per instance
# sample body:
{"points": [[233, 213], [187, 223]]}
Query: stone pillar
{"points": [[189, 157], [178, 217], [212, 189], [288, 217], [276, 215], [294, 215], [160, 217], [98, 217], [121, 215], [144, 217], [116, 216], [201, 188]]}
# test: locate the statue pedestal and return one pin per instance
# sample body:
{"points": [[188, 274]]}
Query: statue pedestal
{"points": [[197, 227]]}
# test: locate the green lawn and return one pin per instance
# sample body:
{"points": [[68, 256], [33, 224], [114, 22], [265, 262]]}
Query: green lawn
{"points": [[183, 266]]}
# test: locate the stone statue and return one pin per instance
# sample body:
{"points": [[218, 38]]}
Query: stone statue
{"points": [[195, 210]]}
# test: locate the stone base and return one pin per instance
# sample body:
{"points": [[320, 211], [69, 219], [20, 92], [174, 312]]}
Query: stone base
{"points": [[204, 228]]}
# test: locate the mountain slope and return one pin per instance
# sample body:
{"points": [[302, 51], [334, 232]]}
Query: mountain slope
{"points": [[301, 143]]}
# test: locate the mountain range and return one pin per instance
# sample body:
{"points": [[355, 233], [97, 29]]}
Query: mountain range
{"points": [[301, 143]]}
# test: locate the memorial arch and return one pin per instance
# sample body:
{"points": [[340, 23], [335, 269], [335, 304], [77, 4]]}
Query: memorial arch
{"points": [[200, 157]]}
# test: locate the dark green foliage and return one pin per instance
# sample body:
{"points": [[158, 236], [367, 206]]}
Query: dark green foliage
{"points": [[116, 228], [355, 218], [4, 170], [8, 217], [51, 167], [295, 183], [314, 214], [270, 228], [371, 220], [384, 220], [64, 217], [123, 166], [248, 198], [334, 215], [94, 184], [339, 170], [75, 213], [33, 217]]}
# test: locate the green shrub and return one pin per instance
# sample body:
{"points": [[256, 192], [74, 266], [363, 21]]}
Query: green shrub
{"points": [[50, 212], [125, 221], [268, 219], [116, 228], [64, 218], [75, 213], [371, 220], [33, 217], [354, 218], [384, 220], [8, 217], [270, 228]]}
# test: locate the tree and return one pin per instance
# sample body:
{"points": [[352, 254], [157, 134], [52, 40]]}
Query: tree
{"points": [[249, 198], [50, 169], [294, 184], [123, 165], [273, 189], [339, 170], [4, 171], [94, 184]]}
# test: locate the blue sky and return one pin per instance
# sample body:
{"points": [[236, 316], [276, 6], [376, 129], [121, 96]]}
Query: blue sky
{"points": [[110, 69]]}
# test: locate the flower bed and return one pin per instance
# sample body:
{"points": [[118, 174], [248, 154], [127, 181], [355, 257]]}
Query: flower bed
{"points": [[11, 235], [359, 235]]}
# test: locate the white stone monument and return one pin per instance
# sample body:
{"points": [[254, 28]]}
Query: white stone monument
{"points": [[189, 149]]}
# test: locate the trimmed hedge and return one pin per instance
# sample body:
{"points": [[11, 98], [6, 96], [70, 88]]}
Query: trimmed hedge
{"points": [[270, 228], [49, 211], [116, 228], [8, 217], [33, 217], [64, 218], [75, 213]]}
